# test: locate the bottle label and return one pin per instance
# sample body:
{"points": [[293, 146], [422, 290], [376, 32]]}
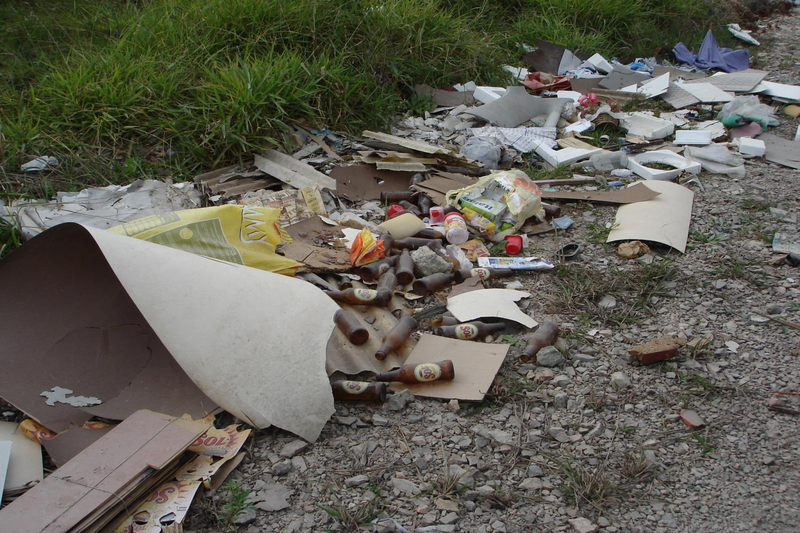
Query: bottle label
{"points": [[466, 331], [383, 268], [427, 372], [354, 387], [482, 273], [365, 295]]}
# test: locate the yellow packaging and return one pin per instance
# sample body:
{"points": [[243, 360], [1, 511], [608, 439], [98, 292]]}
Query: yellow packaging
{"points": [[478, 222], [238, 234]]}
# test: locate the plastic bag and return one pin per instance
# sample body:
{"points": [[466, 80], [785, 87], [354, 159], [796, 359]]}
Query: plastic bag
{"points": [[233, 233], [716, 159], [484, 150], [747, 108], [366, 249], [512, 187]]}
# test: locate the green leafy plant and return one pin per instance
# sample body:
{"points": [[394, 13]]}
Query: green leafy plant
{"points": [[236, 503]]}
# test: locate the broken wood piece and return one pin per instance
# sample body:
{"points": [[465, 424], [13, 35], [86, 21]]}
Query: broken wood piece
{"points": [[656, 350]]}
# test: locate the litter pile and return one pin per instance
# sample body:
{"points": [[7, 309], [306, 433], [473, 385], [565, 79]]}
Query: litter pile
{"points": [[352, 268]]}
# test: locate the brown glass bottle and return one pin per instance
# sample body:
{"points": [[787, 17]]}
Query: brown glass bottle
{"points": [[544, 336], [388, 197], [412, 243], [484, 273], [351, 327], [360, 297], [396, 337], [359, 391], [387, 281], [551, 211], [429, 233], [405, 268], [444, 321], [433, 283], [373, 271], [410, 208], [470, 331], [424, 203], [422, 373]]}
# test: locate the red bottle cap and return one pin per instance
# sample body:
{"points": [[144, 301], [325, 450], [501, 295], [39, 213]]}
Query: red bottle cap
{"points": [[513, 244], [395, 210]]}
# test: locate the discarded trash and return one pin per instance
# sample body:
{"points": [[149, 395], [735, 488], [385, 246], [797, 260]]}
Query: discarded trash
{"points": [[490, 303], [632, 249], [711, 55], [546, 335], [396, 337], [568, 251], [663, 219], [39, 164], [478, 363], [515, 263], [470, 331], [742, 34], [359, 391], [24, 460], [420, 373]]}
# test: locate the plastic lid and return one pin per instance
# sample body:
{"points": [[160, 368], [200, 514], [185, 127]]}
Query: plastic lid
{"points": [[513, 244]]}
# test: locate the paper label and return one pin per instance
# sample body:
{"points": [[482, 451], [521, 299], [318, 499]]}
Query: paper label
{"points": [[466, 331], [482, 273], [427, 372], [354, 387], [365, 295], [383, 268]]}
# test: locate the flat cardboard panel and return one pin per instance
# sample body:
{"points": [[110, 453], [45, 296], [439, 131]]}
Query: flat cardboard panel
{"points": [[475, 363], [67, 444], [781, 151], [628, 195], [365, 182], [490, 303], [663, 219]]}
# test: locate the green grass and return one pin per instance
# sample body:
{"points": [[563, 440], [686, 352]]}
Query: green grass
{"points": [[103, 82]]}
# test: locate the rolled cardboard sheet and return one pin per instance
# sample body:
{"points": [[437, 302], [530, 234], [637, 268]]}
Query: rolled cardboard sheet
{"points": [[143, 326]]}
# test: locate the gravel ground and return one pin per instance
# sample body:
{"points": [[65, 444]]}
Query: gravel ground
{"points": [[595, 443]]}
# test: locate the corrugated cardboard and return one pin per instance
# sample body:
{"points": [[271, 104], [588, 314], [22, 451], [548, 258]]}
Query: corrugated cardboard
{"points": [[475, 363]]}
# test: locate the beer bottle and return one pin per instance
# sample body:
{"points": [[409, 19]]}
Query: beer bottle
{"points": [[432, 283], [396, 337], [444, 321], [373, 271], [405, 268], [544, 336], [351, 327], [483, 273], [412, 243], [359, 391], [388, 197], [422, 373], [424, 203], [387, 282], [360, 297], [410, 208], [470, 331], [429, 233]]}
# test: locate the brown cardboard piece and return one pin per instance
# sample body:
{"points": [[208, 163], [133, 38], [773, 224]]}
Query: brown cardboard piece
{"points": [[365, 182], [104, 476], [628, 195], [439, 184], [445, 98], [310, 245], [472, 283], [656, 350], [476, 364], [226, 181], [67, 444], [781, 151], [95, 341]]}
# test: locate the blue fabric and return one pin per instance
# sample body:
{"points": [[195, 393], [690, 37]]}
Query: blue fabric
{"points": [[711, 55]]}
